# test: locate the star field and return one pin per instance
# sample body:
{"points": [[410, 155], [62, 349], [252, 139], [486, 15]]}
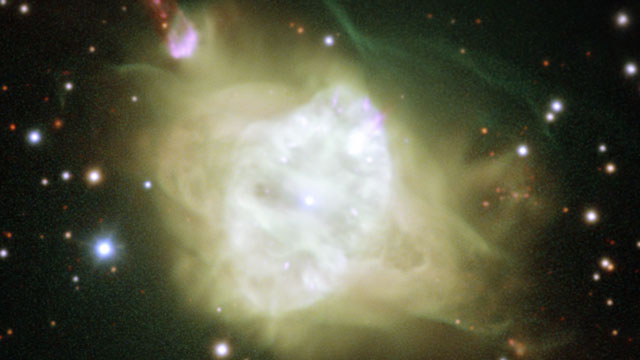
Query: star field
{"points": [[319, 180]]}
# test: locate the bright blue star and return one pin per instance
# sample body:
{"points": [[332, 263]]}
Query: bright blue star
{"points": [[104, 248], [34, 137]]}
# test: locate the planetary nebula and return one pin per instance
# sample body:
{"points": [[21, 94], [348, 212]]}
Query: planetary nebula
{"points": [[305, 200], [296, 202]]}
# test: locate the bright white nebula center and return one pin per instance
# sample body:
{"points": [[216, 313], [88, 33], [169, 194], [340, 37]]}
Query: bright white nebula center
{"points": [[301, 221]]}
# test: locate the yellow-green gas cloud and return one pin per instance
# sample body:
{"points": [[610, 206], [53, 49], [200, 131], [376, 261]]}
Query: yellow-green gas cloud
{"points": [[305, 214]]}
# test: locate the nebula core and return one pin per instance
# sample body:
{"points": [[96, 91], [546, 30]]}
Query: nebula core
{"points": [[306, 211]]}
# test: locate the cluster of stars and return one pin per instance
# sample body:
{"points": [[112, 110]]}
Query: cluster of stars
{"points": [[102, 249], [591, 216], [630, 69], [556, 107], [606, 264]]}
